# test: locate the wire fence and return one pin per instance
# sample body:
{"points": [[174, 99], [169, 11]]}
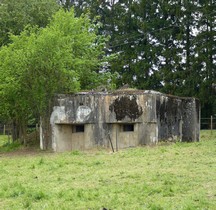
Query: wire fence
{"points": [[6, 129], [208, 123]]}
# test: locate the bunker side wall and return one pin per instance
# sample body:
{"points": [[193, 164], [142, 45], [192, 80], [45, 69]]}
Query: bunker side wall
{"points": [[177, 118]]}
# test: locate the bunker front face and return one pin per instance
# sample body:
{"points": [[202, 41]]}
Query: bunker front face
{"points": [[121, 119]]}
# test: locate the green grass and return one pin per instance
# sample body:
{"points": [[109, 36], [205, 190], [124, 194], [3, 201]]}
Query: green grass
{"points": [[3, 140], [6, 144], [175, 176]]}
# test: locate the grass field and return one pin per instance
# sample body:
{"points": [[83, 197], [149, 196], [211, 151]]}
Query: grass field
{"points": [[174, 176]]}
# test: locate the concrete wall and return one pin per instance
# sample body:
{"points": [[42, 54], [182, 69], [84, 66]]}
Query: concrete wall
{"points": [[123, 139], [178, 118], [153, 116]]}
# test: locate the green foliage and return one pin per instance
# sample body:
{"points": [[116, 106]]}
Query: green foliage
{"points": [[75, 152], [63, 57], [162, 45], [7, 146], [15, 15], [174, 176], [4, 139]]}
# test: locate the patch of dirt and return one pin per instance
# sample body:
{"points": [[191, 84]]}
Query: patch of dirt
{"points": [[25, 151]]}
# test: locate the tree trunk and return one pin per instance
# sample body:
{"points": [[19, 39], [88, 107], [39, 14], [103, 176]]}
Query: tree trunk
{"points": [[15, 131], [45, 128]]}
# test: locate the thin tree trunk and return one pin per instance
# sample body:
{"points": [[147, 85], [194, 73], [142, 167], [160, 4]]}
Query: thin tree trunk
{"points": [[45, 128], [15, 130]]}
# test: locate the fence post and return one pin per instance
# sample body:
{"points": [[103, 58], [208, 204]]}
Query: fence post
{"points": [[211, 124]]}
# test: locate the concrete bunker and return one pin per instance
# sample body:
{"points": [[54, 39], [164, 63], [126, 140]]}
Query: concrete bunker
{"points": [[122, 119]]}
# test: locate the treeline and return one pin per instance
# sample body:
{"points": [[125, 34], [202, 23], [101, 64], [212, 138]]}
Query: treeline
{"points": [[168, 45], [50, 47]]}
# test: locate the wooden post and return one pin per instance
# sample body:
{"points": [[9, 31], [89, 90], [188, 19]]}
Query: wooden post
{"points": [[111, 143], [211, 124]]}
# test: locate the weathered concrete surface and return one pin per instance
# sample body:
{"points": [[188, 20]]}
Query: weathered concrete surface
{"points": [[151, 115], [178, 118]]}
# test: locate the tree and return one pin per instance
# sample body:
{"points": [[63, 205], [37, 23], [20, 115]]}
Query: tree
{"points": [[15, 15], [63, 57], [205, 51], [163, 45]]}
